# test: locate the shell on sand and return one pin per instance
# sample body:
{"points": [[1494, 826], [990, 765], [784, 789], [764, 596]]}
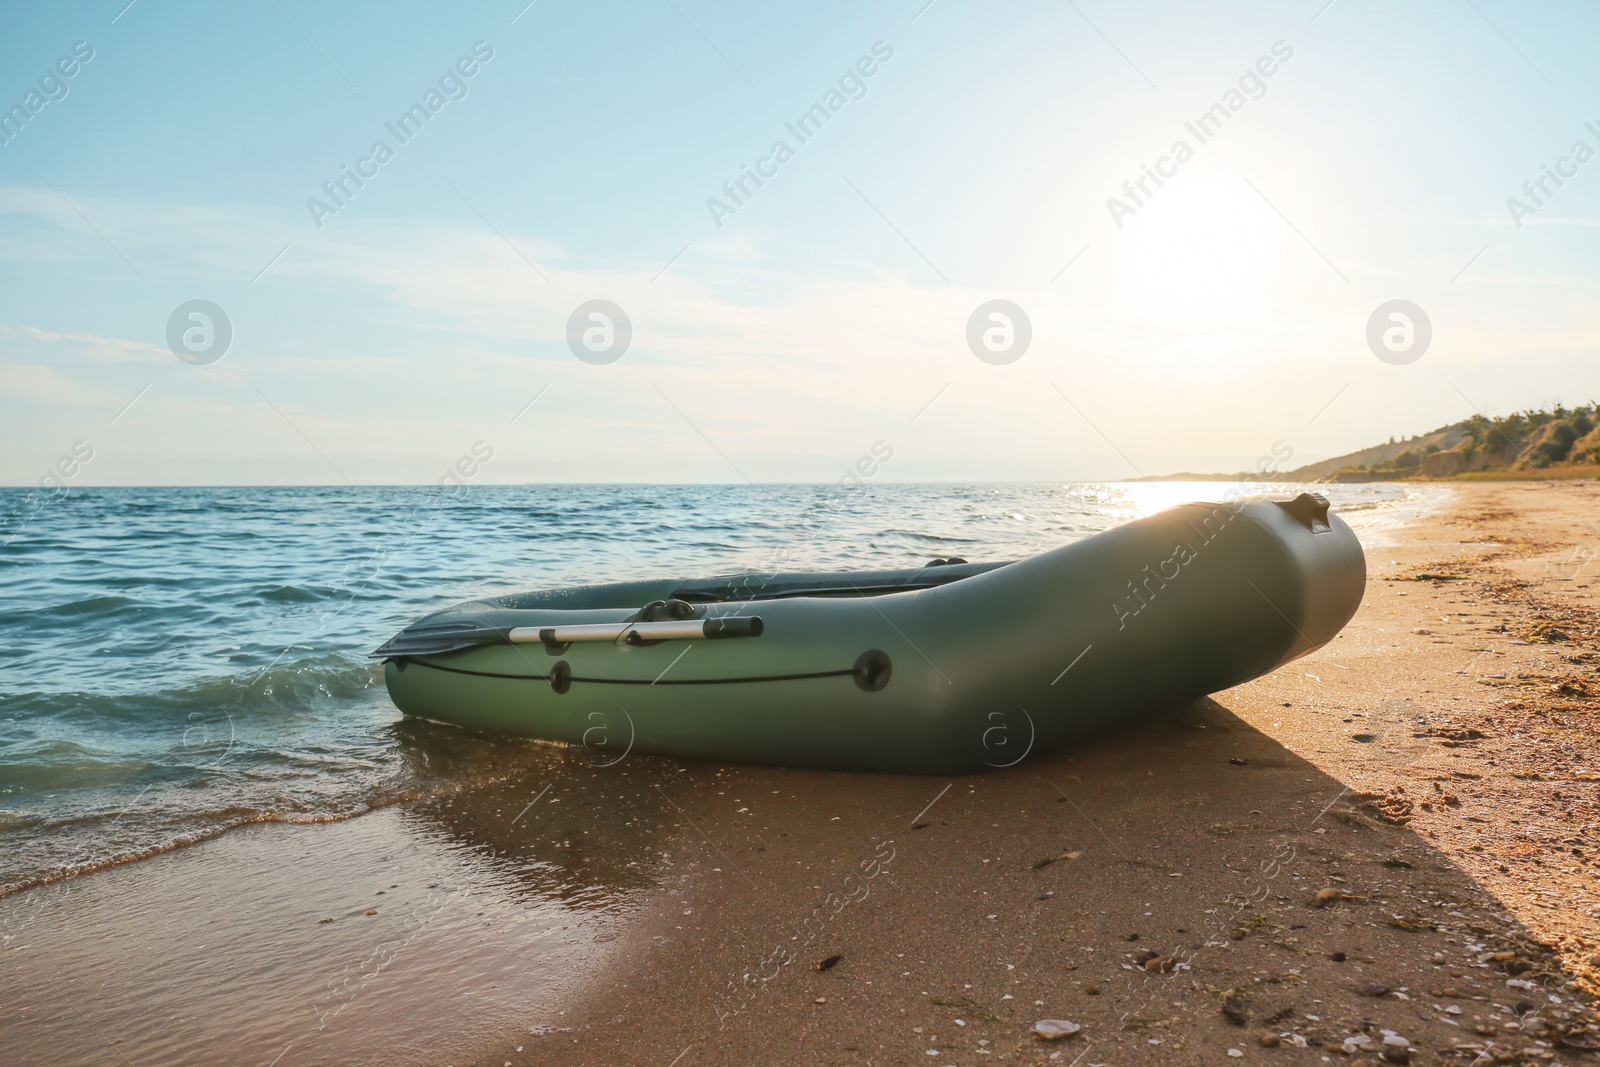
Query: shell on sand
{"points": [[1054, 1029]]}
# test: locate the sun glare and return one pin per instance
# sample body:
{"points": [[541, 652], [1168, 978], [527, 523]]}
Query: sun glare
{"points": [[1206, 256], [1147, 498]]}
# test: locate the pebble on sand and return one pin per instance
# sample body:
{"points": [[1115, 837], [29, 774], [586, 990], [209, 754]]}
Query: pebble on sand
{"points": [[1329, 896]]}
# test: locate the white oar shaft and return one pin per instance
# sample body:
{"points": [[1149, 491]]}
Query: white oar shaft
{"points": [[672, 630], [610, 631]]}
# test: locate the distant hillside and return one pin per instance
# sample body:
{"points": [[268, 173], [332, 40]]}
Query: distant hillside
{"points": [[1392, 458], [1559, 441]]}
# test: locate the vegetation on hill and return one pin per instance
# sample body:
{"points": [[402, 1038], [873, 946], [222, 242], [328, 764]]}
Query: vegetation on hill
{"points": [[1561, 442], [1522, 441]]}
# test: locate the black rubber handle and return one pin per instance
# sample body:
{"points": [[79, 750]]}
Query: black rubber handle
{"points": [[741, 626]]}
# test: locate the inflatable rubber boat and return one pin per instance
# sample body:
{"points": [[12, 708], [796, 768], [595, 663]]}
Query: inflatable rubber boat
{"points": [[950, 667]]}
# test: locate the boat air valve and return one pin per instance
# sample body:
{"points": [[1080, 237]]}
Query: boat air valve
{"points": [[872, 670], [561, 677]]}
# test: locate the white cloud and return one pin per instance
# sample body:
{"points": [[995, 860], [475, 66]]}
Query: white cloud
{"points": [[115, 349]]}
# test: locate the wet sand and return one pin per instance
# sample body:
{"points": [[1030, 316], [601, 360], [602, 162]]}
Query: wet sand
{"points": [[1396, 834]]}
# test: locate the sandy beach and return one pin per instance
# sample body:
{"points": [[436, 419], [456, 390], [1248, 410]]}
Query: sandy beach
{"points": [[1386, 849]]}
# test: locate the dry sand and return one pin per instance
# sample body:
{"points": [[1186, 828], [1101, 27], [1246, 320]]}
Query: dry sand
{"points": [[1396, 834]]}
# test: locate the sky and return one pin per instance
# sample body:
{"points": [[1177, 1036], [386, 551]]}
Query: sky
{"points": [[410, 326]]}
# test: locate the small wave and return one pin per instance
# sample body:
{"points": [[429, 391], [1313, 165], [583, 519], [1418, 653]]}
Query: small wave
{"points": [[147, 581], [213, 825], [180, 828], [292, 594], [918, 535], [95, 605], [47, 764], [320, 680]]}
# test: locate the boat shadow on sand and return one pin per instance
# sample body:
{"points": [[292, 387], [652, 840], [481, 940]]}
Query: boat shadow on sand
{"points": [[576, 826]]}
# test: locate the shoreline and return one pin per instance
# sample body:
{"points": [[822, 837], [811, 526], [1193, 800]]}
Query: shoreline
{"points": [[1428, 766]]}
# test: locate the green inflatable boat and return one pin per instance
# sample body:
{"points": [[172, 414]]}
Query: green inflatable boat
{"points": [[947, 668]]}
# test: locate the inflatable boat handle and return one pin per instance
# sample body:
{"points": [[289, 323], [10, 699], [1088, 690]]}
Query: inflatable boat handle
{"points": [[676, 630]]}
